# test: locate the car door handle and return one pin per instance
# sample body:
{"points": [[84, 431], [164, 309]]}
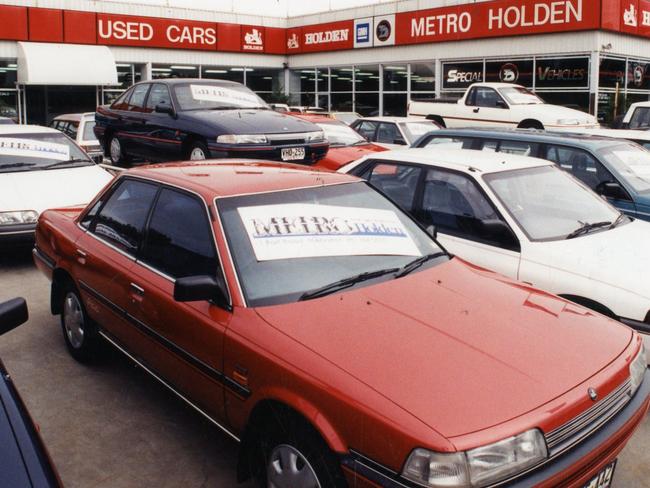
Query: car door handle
{"points": [[138, 290], [81, 256], [476, 110], [81, 253]]}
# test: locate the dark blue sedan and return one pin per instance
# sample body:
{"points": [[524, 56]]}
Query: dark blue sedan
{"points": [[180, 119]]}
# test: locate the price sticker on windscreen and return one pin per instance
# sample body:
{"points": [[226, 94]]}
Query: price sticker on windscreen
{"points": [[227, 96], [306, 230], [30, 148]]}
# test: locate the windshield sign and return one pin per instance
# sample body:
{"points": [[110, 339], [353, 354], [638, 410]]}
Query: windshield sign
{"points": [[25, 152], [304, 231], [290, 242], [33, 149], [214, 96]]}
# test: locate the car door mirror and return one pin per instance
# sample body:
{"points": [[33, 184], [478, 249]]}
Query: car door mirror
{"points": [[12, 314], [198, 288], [163, 108], [501, 104], [432, 230], [498, 231], [612, 189]]}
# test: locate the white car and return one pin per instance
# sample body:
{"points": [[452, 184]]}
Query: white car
{"points": [[637, 116], [393, 132], [41, 168], [527, 219], [500, 105], [80, 128]]}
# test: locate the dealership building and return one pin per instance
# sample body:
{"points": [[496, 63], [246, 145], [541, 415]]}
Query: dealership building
{"points": [[59, 56]]}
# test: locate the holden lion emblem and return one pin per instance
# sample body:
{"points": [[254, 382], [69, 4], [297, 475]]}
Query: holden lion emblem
{"points": [[592, 394]]}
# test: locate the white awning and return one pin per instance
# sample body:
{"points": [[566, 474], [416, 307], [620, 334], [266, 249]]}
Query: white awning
{"points": [[65, 64]]}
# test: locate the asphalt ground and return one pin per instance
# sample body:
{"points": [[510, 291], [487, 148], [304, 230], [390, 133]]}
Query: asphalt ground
{"points": [[112, 425]]}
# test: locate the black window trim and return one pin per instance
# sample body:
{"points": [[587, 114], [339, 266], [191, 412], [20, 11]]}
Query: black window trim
{"points": [[419, 195]]}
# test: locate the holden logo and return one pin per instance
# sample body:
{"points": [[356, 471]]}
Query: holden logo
{"points": [[639, 73], [509, 73], [592, 394], [629, 16], [383, 30], [292, 42]]}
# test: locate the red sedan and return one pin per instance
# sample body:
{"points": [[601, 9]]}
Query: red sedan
{"points": [[346, 144], [311, 319]]}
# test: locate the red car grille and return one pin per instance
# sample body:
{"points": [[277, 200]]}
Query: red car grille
{"points": [[585, 424]]}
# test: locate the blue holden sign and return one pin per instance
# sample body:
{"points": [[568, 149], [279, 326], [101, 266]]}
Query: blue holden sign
{"points": [[363, 32], [363, 35]]}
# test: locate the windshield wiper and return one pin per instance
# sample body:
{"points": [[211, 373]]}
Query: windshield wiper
{"points": [[587, 227], [16, 165], [413, 265], [619, 220], [360, 143], [345, 283], [67, 161]]}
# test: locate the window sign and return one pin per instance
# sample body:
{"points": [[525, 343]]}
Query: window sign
{"points": [[461, 75], [304, 230], [562, 73], [519, 72], [31, 148], [638, 75], [219, 94]]}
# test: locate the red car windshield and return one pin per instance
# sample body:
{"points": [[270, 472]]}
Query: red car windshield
{"points": [[290, 242]]}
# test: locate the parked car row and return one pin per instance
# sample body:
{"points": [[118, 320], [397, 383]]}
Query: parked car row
{"points": [[454, 314]]}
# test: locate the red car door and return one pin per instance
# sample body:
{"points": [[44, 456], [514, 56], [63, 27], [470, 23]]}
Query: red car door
{"points": [[185, 339], [106, 252]]}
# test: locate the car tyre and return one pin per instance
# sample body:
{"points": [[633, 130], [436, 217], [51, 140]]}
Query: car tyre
{"points": [[294, 455], [198, 151], [79, 331], [116, 152]]}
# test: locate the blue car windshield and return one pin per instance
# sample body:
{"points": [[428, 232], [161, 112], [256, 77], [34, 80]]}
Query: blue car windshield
{"points": [[204, 95], [632, 163]]}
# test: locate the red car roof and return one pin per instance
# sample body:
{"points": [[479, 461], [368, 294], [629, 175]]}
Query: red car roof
{"points": [[219, 178]]}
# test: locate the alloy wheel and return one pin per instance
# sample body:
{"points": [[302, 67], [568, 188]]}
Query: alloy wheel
{"points": [[116, 150]]}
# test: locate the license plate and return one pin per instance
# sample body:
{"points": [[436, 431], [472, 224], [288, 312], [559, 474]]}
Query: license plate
{"points": [[293, 153], [604, 478]]}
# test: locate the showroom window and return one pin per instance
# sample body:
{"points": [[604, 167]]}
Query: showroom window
{"points": [[223, 73], [268, 83], [366, 86], [8, 92], [174, 71], [395, 78], [302, 87]]}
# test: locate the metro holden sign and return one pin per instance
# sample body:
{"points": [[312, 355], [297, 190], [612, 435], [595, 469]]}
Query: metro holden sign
{"points": [[496, 19]]}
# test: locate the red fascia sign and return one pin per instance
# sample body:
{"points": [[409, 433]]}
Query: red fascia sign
{"points": [[627, 16], [498, 18], [332, 36], [126, 30]]}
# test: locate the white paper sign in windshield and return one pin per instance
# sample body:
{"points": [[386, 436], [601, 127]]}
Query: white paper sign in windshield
{"points": [[306, 230], [223, 95], [30, 148]]}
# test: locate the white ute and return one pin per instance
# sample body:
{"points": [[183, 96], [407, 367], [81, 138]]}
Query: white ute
{"points": [[501, 105]]}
